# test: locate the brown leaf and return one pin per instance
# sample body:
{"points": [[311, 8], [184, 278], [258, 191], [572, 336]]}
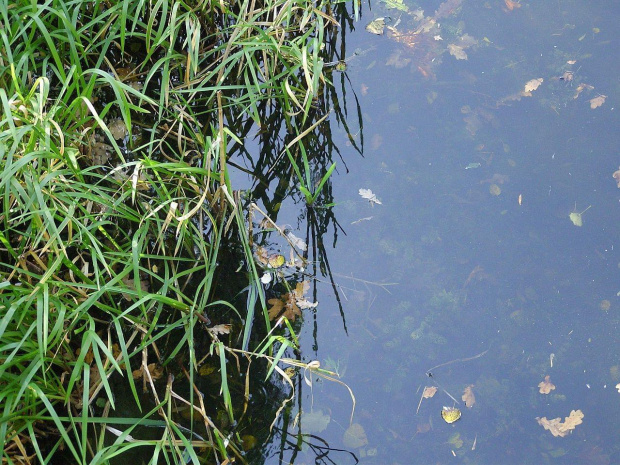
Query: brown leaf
{"points": [[559, 428], [429, 391], [468, 396], [286, 306], [597, 101], [533, 84], [512, 5], [155, 370], [546, 386], [220, 329]]}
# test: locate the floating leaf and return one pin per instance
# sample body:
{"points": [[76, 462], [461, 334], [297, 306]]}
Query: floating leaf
{"points": [[546, 386], [559, 428], [429, 391], [156, 371], [450, 414], [368, 195], [377, 26], [533, 84], [355, 437], [468, 396], [457, 52], [597, 101]]}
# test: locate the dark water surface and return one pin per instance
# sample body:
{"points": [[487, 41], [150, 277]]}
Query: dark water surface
{"points": [[444, 270]]}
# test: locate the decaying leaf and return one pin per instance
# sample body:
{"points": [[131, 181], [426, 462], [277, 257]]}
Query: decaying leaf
{"points": [[368, 195], [291, 303], [220, 329], [512, 5], [559, 428], [355, 437], [533, 84], [597, 101], [429, 391], [377, 26], [397, 60], [457, 52], [618, 387], [580, 88], [144, 286], [155, 370], [117, 128], [468, 396], [546, 386]]}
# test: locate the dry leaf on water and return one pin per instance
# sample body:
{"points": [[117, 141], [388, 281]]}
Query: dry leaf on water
{"points": [[533, 84], [559, 428], [468, 396], [220, 329], [429, 391], [457, 52], [546, 386], [597, 101]]}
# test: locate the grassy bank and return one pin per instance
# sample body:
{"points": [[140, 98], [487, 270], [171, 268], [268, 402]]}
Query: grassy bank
{"points": [[117, 123]]}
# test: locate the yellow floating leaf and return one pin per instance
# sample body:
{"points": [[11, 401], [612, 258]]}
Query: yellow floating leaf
{"points": [[450, 414]]}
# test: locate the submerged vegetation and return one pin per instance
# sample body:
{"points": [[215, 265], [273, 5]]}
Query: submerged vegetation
{"points": [[131, 301]]}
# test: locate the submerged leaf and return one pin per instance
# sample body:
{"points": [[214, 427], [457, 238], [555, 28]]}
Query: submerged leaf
{"points": [[429, 391], [468, 396], [597, 101], [377, 26], [355, 437], [314, 422], [457, 52]]}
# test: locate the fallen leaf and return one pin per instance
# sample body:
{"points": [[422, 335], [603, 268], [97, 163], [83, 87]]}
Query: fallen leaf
{"points": [[377, 26], [618, 387], [355, 437], [559, 428], [580, 88], [457, 52], [533, 84], [368, 195], [616, 176], [546, 386], [429, 391], [468, 396], [155, 370], [220, 329], [597, 101]]}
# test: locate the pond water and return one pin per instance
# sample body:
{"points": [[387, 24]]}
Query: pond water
{"points": [[471, 266]]}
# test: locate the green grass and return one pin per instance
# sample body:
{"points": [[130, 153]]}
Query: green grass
{"points": [[110, 248]]}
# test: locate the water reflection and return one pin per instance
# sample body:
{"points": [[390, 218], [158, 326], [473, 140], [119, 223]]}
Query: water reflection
{"points": [[506, 273]]}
